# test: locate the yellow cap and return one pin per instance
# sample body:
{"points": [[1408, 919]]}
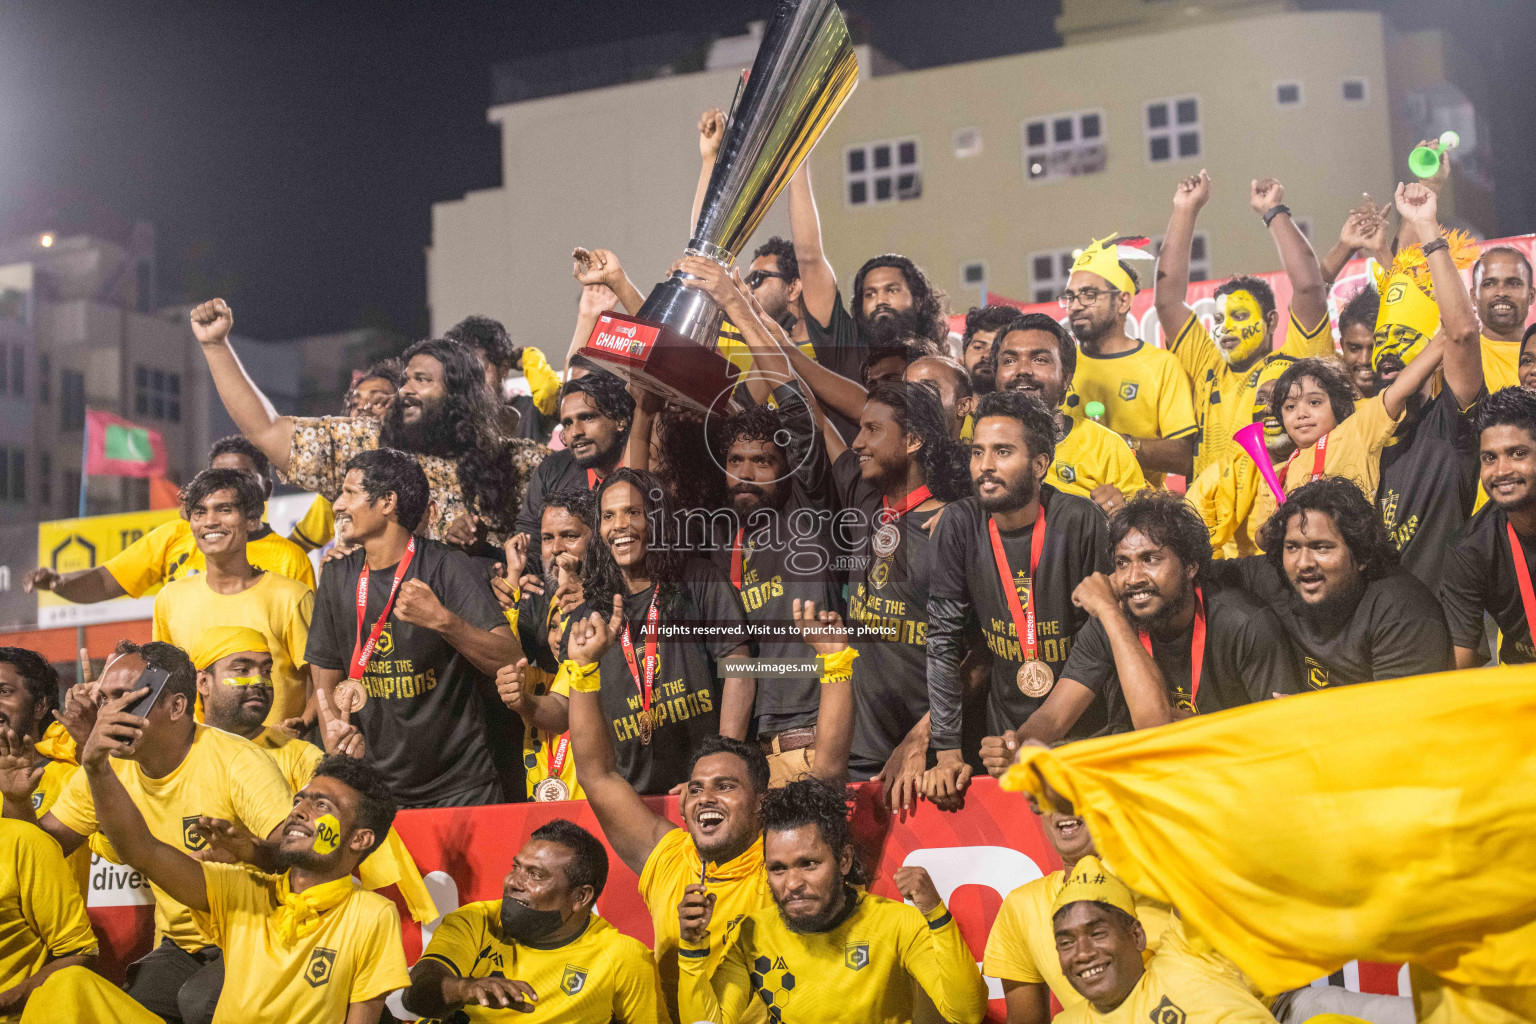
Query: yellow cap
{"points": [[1103, 257], [222, 641], [1273, 369], [1091, 882], [1409, 316]]}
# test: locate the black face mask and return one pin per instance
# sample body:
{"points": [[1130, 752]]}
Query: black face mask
{"points": [[524, 924]]}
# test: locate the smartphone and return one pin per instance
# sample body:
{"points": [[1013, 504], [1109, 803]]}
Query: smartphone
{"points": [[155, 679]]}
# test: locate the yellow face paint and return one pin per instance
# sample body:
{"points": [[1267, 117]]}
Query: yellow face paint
{"points": [[327, 833], [1239, 316], [245, 681], [1397, 340]]}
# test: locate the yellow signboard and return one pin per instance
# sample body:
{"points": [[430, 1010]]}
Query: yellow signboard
{"points": [[69, 545]]}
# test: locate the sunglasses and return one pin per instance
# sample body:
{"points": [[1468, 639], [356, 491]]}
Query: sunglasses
{"points": [[755, 279]]}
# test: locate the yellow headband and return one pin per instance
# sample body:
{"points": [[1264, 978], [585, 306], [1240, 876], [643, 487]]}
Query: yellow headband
{"points": [[1103, 257], [222, 641], [1091, 882]]}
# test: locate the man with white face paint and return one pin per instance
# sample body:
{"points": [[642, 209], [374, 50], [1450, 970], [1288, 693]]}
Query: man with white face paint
{"points": [[1225, 362]]}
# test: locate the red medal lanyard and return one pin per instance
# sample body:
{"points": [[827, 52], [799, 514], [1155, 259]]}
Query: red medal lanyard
{"points": [[890, 513], [1523, 575], [1317, 460], [1196, 648], [643, 685], [558, 752], [593, 479], [361, 652], [1023, 617], [736, 557]]}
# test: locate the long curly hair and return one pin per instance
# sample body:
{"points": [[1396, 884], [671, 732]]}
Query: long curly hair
{"points": [[462, 429], [814, 802], [917, 409], [929, 303], [663, 559], [1343, 502], [683, 454]]}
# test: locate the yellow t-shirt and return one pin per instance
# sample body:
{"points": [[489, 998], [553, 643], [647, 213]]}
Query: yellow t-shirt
{"points": [[1224, 397], [1224, 495], [168, 552], [864, 970], [733, 346], [1022, 944], [740, 887], [540, 748], [277, 607], [222, 776], [1145, 394], [55, 775], [1501, 364], [353, 956], [42, 914], [1176, 988], [543, 382], [600, 975], [1353, 452], [316, 527], [1091, 455], [296, 759]]}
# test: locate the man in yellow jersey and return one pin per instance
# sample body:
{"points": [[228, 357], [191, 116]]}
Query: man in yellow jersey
{"points": [[539, 953], [1501, 287], [715, 856], [1100, 945], [1224, 363], [234, 685], [1035, 355], [43, 925], [1021, 949], [1144, 391], [534, 688], [177, 771], [828, 950], [223, 507], [168, 552], [306, 944]]}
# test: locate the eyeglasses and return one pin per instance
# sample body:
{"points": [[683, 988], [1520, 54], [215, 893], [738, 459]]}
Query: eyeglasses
{"points": [[1088, 296], [755, 279]]}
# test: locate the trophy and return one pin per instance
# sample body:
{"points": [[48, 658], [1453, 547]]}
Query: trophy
{"points": [[804, 71]]}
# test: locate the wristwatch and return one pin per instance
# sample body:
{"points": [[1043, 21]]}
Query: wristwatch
{"points": [[1135, 443], [1275, 211]]}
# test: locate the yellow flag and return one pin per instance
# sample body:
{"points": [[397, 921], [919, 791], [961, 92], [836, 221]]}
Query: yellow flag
{"points": [[1391, 821]]}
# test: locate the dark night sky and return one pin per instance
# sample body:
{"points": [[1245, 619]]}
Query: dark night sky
{"points": [[289, 154]]}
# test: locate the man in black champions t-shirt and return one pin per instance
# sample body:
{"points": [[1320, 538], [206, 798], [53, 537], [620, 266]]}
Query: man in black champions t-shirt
{"points": [[1050, 542], [1491, 570], [1330, 575], [441, 639], [596, 413]]}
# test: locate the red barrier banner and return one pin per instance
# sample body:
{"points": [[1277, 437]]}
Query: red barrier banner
{"points": [[1142, 319], [976, 857]]}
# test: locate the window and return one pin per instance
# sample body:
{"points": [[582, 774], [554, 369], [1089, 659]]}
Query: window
{"points": [[1173, 129], [973, 274], [1064, 145], [966, 142], [18, 371], [882, 172], [13, 475], [1353, 90], [1049, 272], [44, 377], [72, 493], [1288, 94], [5, 376], [45, 479], [157, 393], [72, 390], [1199, 256]]}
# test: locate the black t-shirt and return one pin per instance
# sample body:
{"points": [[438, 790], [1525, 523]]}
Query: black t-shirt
{"points": [[1428, 485], [839, 349], [424, 721], [533, 619], [558, 472], [703, 623], [964, 581], [532, 424], [1480, 577], [1396, 629], [1246, 660]]}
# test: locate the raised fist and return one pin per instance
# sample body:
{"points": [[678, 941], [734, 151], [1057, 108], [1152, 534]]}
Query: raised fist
{"points": [[212, 322]]}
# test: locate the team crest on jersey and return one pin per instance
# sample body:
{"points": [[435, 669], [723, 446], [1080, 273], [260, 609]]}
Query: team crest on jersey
{"points": [[1166, 1012], [856, 956], [386, 640], [190, 837], [880, 574], [1317, 674], [1128, 389], [1066, 472], [37, 800], [573, 980], [318, 971]]}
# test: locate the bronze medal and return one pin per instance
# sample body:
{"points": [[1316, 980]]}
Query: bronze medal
{"points": [[647, 729], [551, 790], [349, 697], [1035, 678], [886, 540]]}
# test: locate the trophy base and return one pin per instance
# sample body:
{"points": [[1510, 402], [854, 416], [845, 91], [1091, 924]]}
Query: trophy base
{"points": [[662, 361]]}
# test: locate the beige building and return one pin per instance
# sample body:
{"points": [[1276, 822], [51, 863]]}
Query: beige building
{"points": [[987, 173]]}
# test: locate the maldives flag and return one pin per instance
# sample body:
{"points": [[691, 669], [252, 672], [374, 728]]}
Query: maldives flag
{"points": [[118, 447]]}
